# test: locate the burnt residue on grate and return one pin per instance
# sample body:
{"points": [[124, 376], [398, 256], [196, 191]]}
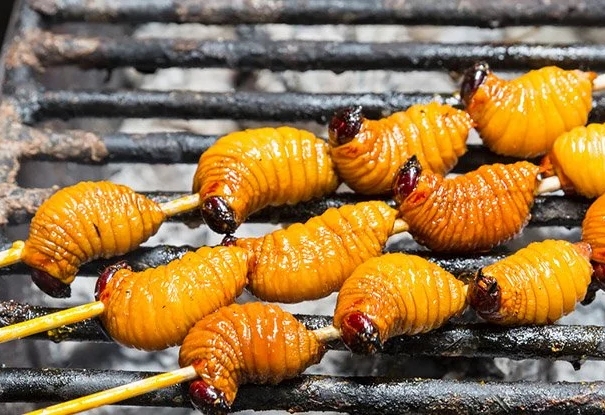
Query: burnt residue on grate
{"points": [[354, 395], [478, 13], [39, 45], [571, 343], [40, 49]]}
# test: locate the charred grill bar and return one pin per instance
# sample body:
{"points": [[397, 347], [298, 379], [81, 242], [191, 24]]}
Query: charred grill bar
{"points": [[36, 46]]}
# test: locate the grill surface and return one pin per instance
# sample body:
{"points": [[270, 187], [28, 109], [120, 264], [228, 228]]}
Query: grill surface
{"points": [[40, 43]]}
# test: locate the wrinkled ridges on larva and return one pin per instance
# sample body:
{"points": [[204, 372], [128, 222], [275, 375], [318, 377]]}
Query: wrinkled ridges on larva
{"points": [[153, 309], [253, 342], [523, 117], [435, 133], [539, 283], [86, 221], [311, 260], [401, 294], [255, 168], [472, 212], [577, 158], [593, 229]]}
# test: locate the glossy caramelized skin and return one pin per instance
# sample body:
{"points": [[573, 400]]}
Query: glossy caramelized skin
{"points": [[471, 212], [250, 343], [395, 294], [311, 260], [368, 153], [577, 158], [536, 285], [523, 117], [248, 170], [87, 221], [154, 309]]}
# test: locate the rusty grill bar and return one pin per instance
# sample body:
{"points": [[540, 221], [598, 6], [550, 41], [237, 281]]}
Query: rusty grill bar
{"points": [[25, 103]]}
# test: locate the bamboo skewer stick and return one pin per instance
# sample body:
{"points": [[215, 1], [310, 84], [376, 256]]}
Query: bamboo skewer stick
{"points": [[120, 393], [598, 84], [150, 384], [51, 321], [174, 207]]}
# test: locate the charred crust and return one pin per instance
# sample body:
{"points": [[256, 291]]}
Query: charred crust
{"points": [[359, 334], [345, 125], [208, 399], [484, 295], [218, 215], [107, 275], [49, 284], [406, 179], [472, 80]]}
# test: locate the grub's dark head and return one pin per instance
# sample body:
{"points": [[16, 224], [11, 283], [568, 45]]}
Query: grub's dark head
{"points": [[208, 399], [107, 275], [484, 295], [473, 78], [359, 334], [49, 284], [598, 274], [229, 240], [218, 215], [345, 125], [406, 179]]}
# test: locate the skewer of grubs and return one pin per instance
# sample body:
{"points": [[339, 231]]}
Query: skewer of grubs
{"points": [[153, 309], [88, 220], [523, 117], [249, 343]]}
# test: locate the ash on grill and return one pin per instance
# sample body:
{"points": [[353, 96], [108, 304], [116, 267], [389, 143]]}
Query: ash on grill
{"points": [[92, 90]]}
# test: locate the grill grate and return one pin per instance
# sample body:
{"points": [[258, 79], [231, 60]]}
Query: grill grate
{"points": [[38, 45]]}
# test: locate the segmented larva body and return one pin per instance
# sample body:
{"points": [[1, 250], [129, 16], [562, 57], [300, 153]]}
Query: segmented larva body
{"points": [[395, 294], [154, 309], [471, 212], [523, 117], [368, 153], [311, 260], [536, 285], [250, 343], [577, 158], [86, 221], [593, 229], [247, 170]]}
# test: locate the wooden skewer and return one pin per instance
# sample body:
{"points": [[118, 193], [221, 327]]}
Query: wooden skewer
{"points": [[150, 384], [51, 321], [548, 185], [119, 393], [182, 204], [598, 84]]}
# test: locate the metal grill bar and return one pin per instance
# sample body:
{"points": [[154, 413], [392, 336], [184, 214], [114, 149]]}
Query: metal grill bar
{"points": [[263, 106], [571, 343], [482, 13], [182, 147], [152, 53], [355, 395], [547, 211]]}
